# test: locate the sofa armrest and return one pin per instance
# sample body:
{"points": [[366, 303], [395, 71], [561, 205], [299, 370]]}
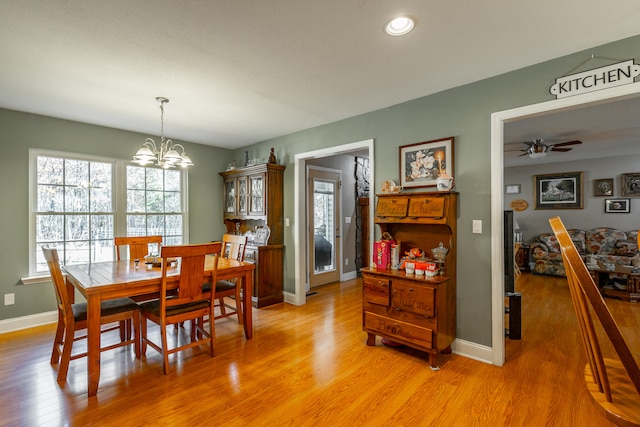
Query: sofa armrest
{"points": [[538, 250]]}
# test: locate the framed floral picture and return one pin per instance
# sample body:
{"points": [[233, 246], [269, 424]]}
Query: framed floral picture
{"points": [[558, 191], [423, 162], [603, 187]]}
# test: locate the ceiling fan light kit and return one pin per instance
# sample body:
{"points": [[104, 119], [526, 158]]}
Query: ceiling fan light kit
{"points": [[537, 148]]}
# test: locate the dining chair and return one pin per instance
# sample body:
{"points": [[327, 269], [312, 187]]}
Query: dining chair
{"points": [[72, 317], [188, 302], [138, 249], [233, 247], [138, 245], [614, 383]]}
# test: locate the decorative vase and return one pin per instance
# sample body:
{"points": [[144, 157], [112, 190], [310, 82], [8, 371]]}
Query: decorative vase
{"points": [[444, 182]]}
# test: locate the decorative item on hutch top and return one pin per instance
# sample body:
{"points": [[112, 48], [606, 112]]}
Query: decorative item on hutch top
{"points": [[421, 164]]}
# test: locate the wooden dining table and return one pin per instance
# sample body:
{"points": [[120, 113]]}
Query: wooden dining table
{"points": [[117, 279]]}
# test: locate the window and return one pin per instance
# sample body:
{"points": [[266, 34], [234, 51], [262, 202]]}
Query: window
{"points": [[154, 203], [75, 206]]}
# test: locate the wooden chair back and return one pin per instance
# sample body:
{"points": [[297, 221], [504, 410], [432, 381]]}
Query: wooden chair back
{"points": [[192, 260], [60, 285], [138, 245], [234, 246], [614, 384]]}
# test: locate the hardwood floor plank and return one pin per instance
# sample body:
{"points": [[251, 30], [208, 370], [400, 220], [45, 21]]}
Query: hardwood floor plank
{"points": [[310, 366]]}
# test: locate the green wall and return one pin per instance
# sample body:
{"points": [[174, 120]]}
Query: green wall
{"points": [[463, 112], [20, 132]]}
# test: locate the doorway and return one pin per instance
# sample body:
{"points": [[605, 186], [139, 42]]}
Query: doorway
{"points": [[300, 237], [498, 120], [323, 217]]}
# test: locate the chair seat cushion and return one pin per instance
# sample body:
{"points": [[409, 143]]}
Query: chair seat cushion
{"points": [[154, 307], [108, 307], [221, 285]]}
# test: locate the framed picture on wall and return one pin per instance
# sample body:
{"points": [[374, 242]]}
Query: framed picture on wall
{"points": [[558, 191], [422, 163], [603, 187], [631, 184], [617, 205]]}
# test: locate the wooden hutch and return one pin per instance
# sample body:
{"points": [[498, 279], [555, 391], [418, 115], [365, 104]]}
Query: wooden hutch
{"points": [[253, 198], [417, 311]]}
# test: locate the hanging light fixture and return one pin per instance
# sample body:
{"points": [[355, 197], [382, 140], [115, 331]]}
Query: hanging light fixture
{"points": [[165, 154]]}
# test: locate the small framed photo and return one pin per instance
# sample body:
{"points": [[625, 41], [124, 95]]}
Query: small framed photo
{"points": [[422, 163], [617, 205], [631, 184], [512, 189], [603, 187], [558, 191]]}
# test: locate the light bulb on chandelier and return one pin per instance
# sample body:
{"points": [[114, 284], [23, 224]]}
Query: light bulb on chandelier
{"points": [[166, 154]]}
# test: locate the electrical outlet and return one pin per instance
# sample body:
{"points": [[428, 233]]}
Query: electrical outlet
{"points": [[286, 222], [347, 220], [9, 299], [346, 261]]}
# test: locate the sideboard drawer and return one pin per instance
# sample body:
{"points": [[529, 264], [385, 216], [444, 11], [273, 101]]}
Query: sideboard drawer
{"points": [[414, 298], [376, 291], [397, 329]]}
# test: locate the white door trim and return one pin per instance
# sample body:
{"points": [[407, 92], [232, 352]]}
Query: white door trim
{"points": [[299, 234], [498, 119]]}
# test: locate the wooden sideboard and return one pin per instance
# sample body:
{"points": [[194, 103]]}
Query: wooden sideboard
{"points": [[417, 311], [253, 198]]}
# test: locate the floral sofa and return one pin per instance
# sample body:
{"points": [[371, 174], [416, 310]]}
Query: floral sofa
{"points": [[608, 244]]}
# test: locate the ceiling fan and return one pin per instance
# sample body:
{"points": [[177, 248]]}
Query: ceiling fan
{"points": [[537, 148]]}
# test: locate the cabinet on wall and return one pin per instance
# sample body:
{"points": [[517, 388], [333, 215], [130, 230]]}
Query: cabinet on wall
{"points": [[253, 199], [417, 311]]}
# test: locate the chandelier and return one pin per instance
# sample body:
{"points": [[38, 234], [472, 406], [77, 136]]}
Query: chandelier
{"points": [[165, 154]]}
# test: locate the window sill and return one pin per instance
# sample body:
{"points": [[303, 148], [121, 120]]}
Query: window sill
{"points": [[32, 280]]}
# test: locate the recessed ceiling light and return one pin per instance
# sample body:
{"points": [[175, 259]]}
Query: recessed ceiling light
{"points": [[399, 26]]}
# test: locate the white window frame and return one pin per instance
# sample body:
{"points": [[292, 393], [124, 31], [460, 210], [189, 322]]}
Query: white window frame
{"points": [[119, 197]]}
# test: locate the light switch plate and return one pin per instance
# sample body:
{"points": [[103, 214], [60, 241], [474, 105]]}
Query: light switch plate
{"points": [[477, 226]]}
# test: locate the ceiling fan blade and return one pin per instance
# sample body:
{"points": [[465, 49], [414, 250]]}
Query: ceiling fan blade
{"points": [[560, 149], [562, 144]]}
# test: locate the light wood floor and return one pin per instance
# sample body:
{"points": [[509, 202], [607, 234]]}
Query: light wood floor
{"points": [[309, 366]]}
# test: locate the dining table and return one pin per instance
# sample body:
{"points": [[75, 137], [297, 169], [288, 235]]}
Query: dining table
{"points": [[100, 281]]}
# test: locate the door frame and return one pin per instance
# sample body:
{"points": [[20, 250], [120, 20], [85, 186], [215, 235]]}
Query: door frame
{"points": [[498, 120], [338, 202], [299, 188]]}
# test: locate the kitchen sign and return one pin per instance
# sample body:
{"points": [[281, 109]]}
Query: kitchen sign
{"points": [[607, 77]]}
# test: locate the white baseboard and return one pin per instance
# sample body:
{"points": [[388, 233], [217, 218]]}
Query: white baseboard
{"points": [[472, 350], [348, 276], [24, 322]]}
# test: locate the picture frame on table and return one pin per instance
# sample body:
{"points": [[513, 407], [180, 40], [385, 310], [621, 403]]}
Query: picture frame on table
{"points": [[617, 205], [603, 187], [558, 191], [423, 162], [631, 184]]}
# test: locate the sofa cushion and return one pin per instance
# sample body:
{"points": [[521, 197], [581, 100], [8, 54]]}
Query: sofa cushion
{"points": [[602, 241], [626, 247]]}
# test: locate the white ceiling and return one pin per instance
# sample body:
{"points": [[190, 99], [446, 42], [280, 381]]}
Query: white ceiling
{"points": [[242, 71], [606, 130]]}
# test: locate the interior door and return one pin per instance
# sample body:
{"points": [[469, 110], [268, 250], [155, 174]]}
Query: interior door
{"points": [[323, 213]]}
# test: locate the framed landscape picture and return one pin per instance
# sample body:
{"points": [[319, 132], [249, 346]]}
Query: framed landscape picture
{"points": [[631, 184], [558, 191], [422, 163]]}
